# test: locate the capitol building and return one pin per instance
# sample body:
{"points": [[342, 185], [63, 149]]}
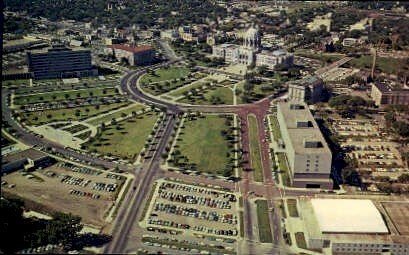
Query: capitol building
{"points": [[250, 53]]}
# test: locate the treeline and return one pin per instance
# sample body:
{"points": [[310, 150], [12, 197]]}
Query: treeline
{"points": [[20, 233], [139, 12]]}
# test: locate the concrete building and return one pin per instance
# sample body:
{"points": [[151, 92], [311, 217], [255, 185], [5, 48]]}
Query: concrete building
{"points": [[348, 42], [250, 52], [308, 155], [60, 62], [140, 55], [307, 90], [384, 94], [26, 159], [351, 226]]}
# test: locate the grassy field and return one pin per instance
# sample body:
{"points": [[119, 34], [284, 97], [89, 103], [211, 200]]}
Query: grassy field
{"points": [[148, 201], [64, 95], [15, 83], [255, 152], [263, 222], [165, 74], [386, 65], [300, 240], [119, 114], [125, 139], [203, 144], [285, 172], [179, 92], [216, 95], [77, 113], [292, 207], [84, 135], [275, 127], [241, 224]]}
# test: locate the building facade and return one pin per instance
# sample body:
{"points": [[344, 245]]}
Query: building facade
{"points": [[250, 52], [384, 94], [60, 62], [140, 55], [307, 90], [308, 155]]}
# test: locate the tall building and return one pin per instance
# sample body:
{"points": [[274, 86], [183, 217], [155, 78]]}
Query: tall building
{"points": [[139, 55], [250, 52], [384, 94], [308, 155], [60, 62], [308, 90]]}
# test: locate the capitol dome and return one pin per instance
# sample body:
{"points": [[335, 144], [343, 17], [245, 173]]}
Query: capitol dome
{"points": [[252, 38]]}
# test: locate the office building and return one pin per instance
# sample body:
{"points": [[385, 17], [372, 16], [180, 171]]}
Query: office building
{"points": [[60, 62], [308, 155], [384, 94], [354, 226], [135, 55], [308, 90]]}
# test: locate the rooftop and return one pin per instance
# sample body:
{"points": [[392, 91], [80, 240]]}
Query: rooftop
{"points": [[344, 216], [29, 153], [129, 48], [387, 87]]}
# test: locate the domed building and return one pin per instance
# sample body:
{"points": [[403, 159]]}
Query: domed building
{"points": [[250, 53], [252, 38]]}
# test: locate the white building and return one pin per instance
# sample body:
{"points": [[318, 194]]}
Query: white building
{"points": [[308, 155], [350, 226], [307, 90], [250, 52]]}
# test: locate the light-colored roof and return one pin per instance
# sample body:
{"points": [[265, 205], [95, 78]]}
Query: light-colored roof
{"points": [[348, 216]]}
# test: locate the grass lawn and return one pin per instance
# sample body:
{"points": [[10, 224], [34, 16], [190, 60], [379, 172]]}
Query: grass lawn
{"points": [[83, 112], [386, 65], [64, 95], [126, 139], [165, 74], [148, 201], [275, 127], [216, 95], [300, 240], [194, 85], [284, 170], [15, 83], [292, 207], [76, 128], [255, 151], [119, 114], [202, 143], [263, 222], [256, 94]]}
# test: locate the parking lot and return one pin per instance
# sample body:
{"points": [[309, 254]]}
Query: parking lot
{"points": [[63, 186], [186, 215]]}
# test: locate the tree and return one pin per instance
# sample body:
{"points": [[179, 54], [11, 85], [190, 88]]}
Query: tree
{"points": [[248, 86], [401, 128]]}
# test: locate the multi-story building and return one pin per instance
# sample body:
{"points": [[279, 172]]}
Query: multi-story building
{"points": [[308, 90], [60, 62], [308, 155], [272, 59], [139, 55], [250, 52], [384, 94], [169, 34]]}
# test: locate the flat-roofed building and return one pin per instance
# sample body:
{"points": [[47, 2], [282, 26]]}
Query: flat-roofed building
{"points": [[25, 159], [308, 90], [60, 62], [274, 58], [139, 55], [384, 94], [307, 152], [351, 226]]}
